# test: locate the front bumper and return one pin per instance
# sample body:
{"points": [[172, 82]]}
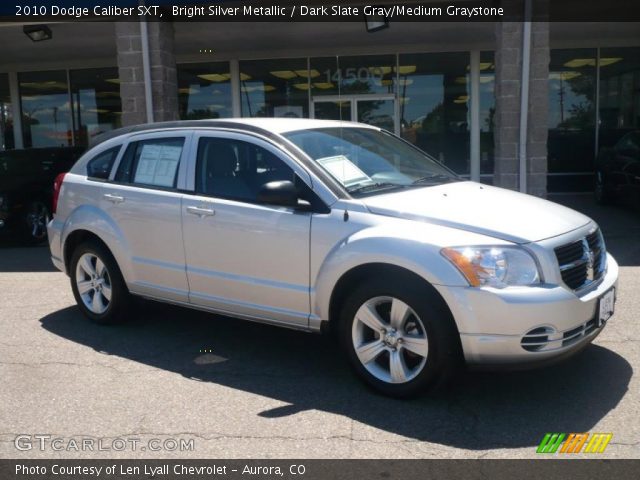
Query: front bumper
{"points": [[492, 322]]}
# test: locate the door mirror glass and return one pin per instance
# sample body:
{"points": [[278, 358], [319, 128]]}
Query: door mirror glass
{"points": [[283, 193]]}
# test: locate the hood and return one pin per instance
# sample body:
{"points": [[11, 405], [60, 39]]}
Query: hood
{"points": [[482, 209]]}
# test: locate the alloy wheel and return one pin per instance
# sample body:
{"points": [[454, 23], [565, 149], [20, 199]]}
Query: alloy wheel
{"points": [[390, 340], [93, 283], [37, 220]]}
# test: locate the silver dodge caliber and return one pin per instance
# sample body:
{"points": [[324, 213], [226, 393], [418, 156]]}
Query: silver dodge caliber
{"points": [[322, 225]]}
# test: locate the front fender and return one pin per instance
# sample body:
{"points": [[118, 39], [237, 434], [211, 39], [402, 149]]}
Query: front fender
{"points": [[414, 247], [97, 222]]}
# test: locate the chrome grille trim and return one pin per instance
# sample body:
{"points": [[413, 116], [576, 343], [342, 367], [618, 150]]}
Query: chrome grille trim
{"points": [[582, 262]]}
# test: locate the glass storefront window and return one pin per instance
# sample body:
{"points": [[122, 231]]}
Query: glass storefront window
{"points": [[46, 113], [619, 94], [204, 91], [274, 88], [434, 105], [487, 111], [96, 102], [6, 116], [364, 74], [572, 115]]}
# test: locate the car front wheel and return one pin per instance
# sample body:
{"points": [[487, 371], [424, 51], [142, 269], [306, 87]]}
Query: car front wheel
{"points": [[400, 339], [97, 284]]}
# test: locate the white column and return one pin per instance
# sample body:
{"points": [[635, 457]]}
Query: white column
{"points": [[236, 109], [474, 144]]}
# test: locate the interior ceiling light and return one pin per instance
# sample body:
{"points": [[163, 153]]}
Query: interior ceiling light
{"points": [[284, 74], [581, 62], [486, 78], [486, 65], [112, 80], [609, 61], [244, 76], [313, 73], [461, 99], [379, 70], [323, 85], [37, 33], [405, 69], [215, 77], [268, 88], [301, 86]]}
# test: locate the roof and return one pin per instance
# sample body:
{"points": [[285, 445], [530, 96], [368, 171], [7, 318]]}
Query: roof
{"points": [[260, 125]]}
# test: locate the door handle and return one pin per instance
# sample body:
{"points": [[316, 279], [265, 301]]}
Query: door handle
{"points": [[200, 211], [113, 198]]}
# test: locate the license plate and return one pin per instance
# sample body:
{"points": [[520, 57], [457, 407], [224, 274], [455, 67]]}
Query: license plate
{"points": [[606, 306]]}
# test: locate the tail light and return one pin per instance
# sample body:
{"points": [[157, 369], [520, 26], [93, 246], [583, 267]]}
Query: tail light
{"points": [[57, 185]]}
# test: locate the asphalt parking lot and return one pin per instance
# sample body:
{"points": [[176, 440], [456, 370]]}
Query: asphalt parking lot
{"points": [[239, 389]]}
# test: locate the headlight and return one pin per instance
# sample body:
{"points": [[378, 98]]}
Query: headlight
{"points": [[494, 266]]}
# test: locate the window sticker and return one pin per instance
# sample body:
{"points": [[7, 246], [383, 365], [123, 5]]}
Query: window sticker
{"points": [[158, 165], [344, 170]]}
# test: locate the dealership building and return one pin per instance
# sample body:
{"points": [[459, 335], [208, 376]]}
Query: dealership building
{"points": [[524, 106]]}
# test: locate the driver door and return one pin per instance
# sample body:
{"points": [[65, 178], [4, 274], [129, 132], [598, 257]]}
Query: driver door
{"points": [[244, 257]]}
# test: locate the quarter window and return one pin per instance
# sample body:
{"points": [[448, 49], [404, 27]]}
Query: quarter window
{"points": [[151, 162], [236, 169], [99, 167]]}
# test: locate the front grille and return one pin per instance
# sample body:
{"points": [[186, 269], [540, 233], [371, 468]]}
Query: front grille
{"points": [[543, 339], [582, 262]]}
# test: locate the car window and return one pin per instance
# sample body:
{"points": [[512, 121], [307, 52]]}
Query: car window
{"points": [[235, 169], [99, 167], [151, 162]]}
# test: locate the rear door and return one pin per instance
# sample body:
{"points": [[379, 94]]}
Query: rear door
{"points": [[144, 199]]}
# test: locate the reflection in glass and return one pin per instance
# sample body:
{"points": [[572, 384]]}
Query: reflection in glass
{"points": [[204, 90], [487, 112], [619, 94], [275, 88], [379, 113], [6, 116], [364, 74], [434, 98], [96, 102], [332, 110], [572, 87], [46, 113]]}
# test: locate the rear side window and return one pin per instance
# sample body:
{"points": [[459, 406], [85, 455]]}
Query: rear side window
{"points": [[99, 167], [151, 162]]}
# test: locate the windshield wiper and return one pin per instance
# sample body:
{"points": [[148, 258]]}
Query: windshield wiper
{"points": [[375, 186], [433, 178]]}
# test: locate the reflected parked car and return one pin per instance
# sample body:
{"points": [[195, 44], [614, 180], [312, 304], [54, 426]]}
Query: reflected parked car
{"points": [[618, 172], [26, 189]]}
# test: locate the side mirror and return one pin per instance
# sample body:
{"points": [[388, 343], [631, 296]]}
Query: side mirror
{"points": [[283, 193]]}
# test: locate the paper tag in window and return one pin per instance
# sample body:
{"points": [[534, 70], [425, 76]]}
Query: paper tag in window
{"points": [[158, 164], [345, 171]]}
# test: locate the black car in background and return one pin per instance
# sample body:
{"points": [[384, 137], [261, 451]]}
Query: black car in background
{"points": [[26, 189], [618, 172]]}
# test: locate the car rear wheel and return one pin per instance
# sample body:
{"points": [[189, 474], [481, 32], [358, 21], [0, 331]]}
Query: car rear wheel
{"points": [[97, 284], [36, 218], [400, 339]]}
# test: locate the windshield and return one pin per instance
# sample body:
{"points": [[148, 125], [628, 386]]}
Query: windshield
{"points": [[367, 161]]}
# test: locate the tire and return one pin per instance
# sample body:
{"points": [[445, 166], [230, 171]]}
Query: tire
{"points": [[36, 218], [97, 284], [413, 331], [600, 191]]}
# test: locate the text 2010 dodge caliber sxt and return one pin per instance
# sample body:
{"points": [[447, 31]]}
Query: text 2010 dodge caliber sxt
{"points": [[321, 225]]}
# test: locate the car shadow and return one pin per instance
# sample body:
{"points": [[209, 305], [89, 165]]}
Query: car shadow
{"points": [[18, 258], [479, 411]]}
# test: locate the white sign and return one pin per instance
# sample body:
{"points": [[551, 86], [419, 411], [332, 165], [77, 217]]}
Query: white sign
{"points": [[158, 165]]}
